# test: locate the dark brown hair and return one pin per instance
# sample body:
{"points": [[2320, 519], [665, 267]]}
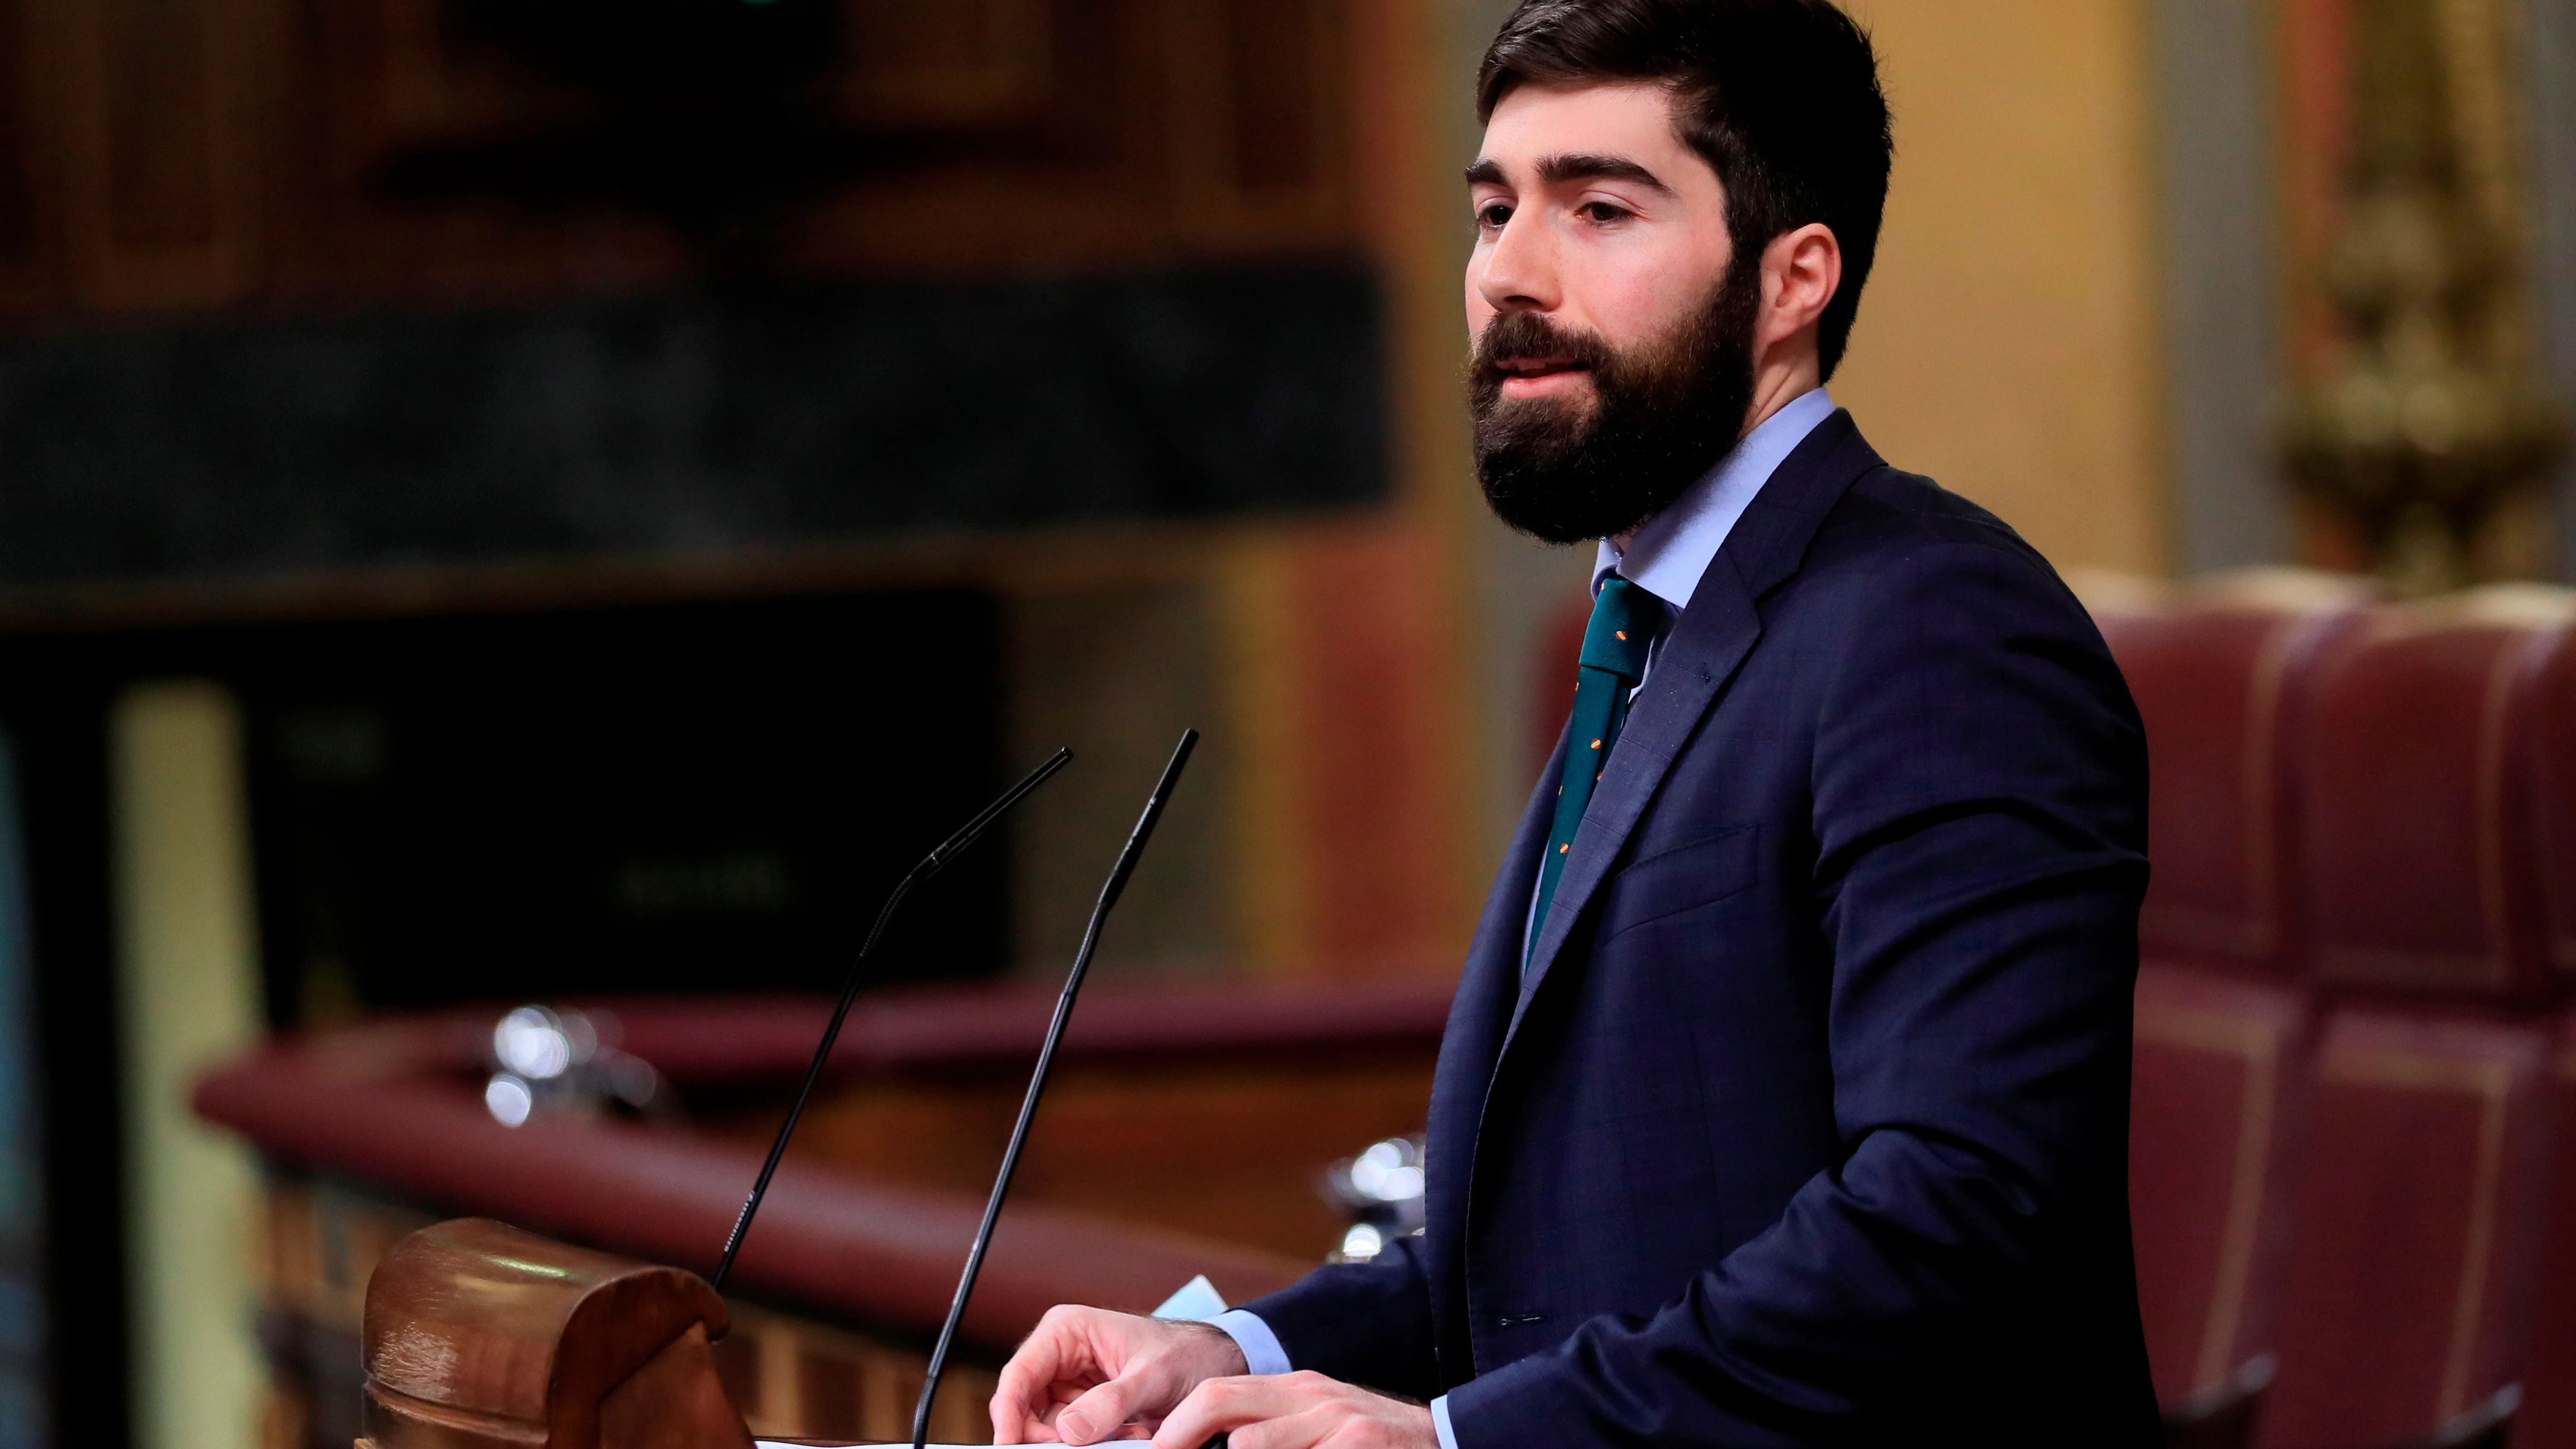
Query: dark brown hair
{"points": [[1780, 96]]}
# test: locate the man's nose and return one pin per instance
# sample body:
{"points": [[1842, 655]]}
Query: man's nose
{"points": [[1519, 272]]}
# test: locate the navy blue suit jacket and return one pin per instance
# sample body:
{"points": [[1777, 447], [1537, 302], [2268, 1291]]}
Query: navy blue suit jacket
{"points": [[1810, 1124]]}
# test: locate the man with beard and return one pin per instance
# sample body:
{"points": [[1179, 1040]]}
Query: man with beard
{"points": [[1785, 1098]]}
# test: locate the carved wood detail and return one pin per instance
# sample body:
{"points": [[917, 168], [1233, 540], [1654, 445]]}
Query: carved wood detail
{"points": [[196, 154]]}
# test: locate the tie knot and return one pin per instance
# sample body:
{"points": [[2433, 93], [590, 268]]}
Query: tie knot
{"points": [[1623, 625]]}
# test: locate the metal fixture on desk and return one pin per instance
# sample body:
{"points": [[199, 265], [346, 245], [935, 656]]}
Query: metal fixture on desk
{"points": [[1381, 1189], [547, 1062]]}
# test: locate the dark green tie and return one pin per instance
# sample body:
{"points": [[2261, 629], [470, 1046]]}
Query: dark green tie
{"points": [[1624, 618]]}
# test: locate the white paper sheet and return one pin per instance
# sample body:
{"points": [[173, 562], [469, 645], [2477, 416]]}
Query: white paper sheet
{"points": [[1197, 1300]]}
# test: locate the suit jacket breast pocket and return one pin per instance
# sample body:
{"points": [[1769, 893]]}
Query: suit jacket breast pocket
{"points": [[1686, 877]]}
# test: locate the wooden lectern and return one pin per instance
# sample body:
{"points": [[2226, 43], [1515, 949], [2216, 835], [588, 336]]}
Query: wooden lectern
{"points": [[367, 1132], [480, 1336]]}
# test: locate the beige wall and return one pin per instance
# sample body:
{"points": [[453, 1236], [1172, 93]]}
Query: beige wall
{"points": [[2007, 342]]}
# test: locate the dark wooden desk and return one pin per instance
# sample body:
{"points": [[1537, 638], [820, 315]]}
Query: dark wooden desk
{"points": [[1183, 1135]]}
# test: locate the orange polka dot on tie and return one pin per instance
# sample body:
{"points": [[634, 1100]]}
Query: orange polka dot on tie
{"points": [[1596, 744], [1562, 849]]}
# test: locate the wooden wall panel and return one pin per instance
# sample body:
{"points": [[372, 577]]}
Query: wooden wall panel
{"points": [[19, 227], [1257, 129], [367, 83], [1352, 863], [1274, 60], [29, 223], [156, 113], [1085, 177], [196, 154], [956, 63]]}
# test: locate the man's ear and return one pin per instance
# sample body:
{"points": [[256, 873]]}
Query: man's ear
{"points": [[1801, 270]]}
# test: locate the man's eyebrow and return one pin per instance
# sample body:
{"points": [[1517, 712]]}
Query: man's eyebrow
{"points": [[1582, 167], [1579, 166]]}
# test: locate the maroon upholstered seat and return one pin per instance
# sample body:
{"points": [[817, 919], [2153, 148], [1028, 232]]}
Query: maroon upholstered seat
{"points": [[2219, 1067], [2425, 1158], [2553, 767], [2548, 1417], [2414, 756], [2423, 1181], [2217, 674]]}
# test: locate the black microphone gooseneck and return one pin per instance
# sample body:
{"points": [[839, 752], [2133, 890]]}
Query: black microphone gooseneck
{"points": [[931, 864], [1109, 893]]}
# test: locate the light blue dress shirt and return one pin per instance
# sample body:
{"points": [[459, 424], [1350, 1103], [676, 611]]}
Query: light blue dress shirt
{"points": [[1668, 552], [1665, 557]]}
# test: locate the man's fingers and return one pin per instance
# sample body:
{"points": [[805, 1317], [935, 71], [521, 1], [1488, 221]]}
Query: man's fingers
{"points": [[1015, 1424], [1021, 1390], [1222, 1404], [1300, 1430], [1031, 1383], [1097, 1414], [1086, 1373]]}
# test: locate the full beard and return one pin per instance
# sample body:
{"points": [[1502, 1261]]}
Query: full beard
{"points": [[1661, 414]]}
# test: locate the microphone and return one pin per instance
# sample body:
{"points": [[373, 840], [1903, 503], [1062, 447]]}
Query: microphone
{"points": [[1109, 894], [931, 865]]}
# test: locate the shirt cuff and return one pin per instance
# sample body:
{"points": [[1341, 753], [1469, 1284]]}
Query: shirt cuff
{"points": [[1440, 1423], [1261, 1351]]}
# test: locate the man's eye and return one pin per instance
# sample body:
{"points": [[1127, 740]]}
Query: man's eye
{"points": [[1493, 217], [1602, 212]]}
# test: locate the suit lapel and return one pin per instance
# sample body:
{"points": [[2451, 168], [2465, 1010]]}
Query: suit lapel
{"points": [[1708, 644]]}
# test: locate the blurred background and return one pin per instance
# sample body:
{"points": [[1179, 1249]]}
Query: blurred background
{"points": [[562, 501]]}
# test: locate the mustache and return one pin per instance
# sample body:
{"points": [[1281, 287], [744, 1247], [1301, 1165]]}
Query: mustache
{"points": [[1662, 410], [1514, 336]]}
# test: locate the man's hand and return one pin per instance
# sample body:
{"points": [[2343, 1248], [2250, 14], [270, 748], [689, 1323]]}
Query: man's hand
{"points": [[1086, 1371], [1295, 1411]]}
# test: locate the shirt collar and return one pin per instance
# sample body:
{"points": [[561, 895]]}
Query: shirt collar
{"points": [[1672, 549]]}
